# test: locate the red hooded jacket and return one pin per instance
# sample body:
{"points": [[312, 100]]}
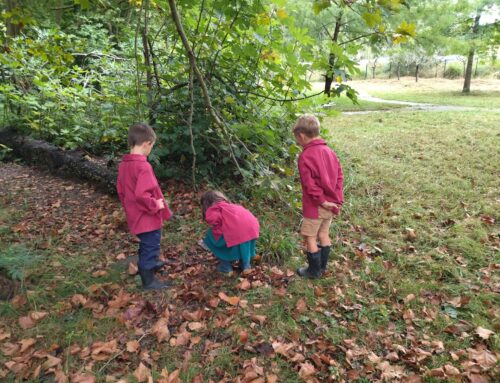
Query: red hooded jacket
{"points": [[321, 178], [138, 191], [234, 222]]}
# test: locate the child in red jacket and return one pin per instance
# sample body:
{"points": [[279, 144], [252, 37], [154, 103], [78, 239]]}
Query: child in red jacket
{"points": [[233, 231], [143, 202], [322, 194]]}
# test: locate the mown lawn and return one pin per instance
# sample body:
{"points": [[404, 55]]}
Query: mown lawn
{"points": [[411, 293], [484, 99]]}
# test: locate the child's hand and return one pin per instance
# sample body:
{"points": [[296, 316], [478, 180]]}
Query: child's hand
{"points": [[160, 203], [329, 205]]}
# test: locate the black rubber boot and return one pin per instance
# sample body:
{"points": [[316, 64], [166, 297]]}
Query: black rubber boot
{"points": [[149, 282], [325, 253], [314, 269], [158, 266]]}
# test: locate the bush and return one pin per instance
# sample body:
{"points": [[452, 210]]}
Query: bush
{"points": [[453, 72]]}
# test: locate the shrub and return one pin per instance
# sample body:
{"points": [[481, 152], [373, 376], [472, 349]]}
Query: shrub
{"points": [[453, 72]]}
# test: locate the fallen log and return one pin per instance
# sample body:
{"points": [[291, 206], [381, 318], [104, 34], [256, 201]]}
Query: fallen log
{"points": [[65, 163]]}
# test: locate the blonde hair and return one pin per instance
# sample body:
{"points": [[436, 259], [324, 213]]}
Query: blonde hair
{"points": [[307, 124]]}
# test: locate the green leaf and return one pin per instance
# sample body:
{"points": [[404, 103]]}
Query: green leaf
{"points": [[320, 5], [372, 18]]}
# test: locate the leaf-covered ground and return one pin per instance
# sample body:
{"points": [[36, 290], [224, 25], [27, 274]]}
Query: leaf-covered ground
{"points": [[411, 294]]}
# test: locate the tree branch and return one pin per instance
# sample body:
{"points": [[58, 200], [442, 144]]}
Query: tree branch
{"points": [[194, 66], [281, 99]]}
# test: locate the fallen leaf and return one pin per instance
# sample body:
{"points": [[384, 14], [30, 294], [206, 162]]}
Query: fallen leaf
{"points": [[244, 285], [483, 357], [10, 349], [259, 318], [306, 370], [450, 370], [19, 301], [409, 298], [142, 373], [182, 339], [133, 346], [83, 378], [301, 306], [231, 300], [26, 343], [483, 332], [78, 300], [132, 268], [243, 336], [160, 330], [99, 273], [26, 322], [271, 378], [4, 335], [214, 302], [410, 234], [195, 326], [60, 376], [38, 315], [104, 350], [318, 291], [51, 361]]}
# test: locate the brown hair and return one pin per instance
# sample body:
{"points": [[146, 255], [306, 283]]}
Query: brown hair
{"points": [[209, 198], [308, 125], [140, 133]]}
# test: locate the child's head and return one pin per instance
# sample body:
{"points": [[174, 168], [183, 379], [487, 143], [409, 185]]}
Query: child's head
{"points": [[211, 197], [141, 136], [306, 128]]}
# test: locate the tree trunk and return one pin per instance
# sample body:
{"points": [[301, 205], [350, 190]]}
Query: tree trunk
{"points": [[390, 69], [444, 69], [68, 163], [331, 59], [417, 67], [373, 71], [366, 71], [398, 71], [147, 64], [470, 59], [12, 29]]}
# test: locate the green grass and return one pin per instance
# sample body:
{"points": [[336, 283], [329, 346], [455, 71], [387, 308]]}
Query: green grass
{"points": [[484, 99], [434, 172]]}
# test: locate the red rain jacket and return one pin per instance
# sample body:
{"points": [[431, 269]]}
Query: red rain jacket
{"points": [[138, 190], [321, 178], [234, 222]]}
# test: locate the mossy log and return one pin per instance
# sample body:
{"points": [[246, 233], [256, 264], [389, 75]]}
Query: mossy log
{"points": [[72, 164]]}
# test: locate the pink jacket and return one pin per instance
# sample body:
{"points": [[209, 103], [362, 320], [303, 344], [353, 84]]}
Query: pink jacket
{"points": [[321, 178], [138, 190], [234, 222]]}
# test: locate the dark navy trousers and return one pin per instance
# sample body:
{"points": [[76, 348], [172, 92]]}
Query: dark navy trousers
{"points": [[149, 249]]}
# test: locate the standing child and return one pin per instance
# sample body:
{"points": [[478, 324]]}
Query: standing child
{"points": [[233, 231], [322, 194], [143, 202]]}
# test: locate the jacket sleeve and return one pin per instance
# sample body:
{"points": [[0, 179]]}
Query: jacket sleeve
{"points": [[310, 184], [119, 190], [213, 217], [144, 188], [340, 180]]}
